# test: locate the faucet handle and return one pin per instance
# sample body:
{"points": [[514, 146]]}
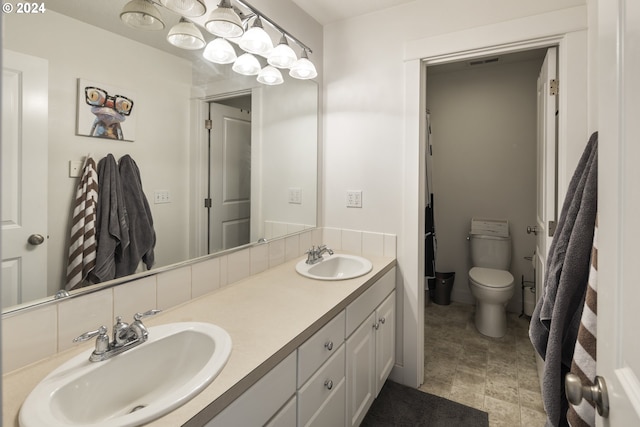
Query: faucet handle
{"points": [[102, 330], [139, 316]]}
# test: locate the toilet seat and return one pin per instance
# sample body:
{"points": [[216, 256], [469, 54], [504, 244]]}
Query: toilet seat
{"points": [[490, 277]]}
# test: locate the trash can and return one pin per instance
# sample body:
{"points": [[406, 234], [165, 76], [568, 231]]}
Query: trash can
{"points": [[444, 285]]}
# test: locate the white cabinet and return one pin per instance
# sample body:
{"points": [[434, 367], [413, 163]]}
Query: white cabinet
{"points": [[264, 400], [328, 380], [371, 347]]}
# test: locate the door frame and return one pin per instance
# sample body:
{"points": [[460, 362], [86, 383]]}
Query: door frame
{"points": [[567, 29]]}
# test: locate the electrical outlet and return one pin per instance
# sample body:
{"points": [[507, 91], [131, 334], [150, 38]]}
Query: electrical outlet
{"points": [[161, 196], [354, 199], [295, 196]]}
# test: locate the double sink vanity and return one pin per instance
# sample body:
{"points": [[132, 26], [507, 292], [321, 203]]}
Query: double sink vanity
{"points": [[299, 344]]}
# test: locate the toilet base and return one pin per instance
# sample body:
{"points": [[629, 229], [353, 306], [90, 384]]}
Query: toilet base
{"points": [[491, 319]]}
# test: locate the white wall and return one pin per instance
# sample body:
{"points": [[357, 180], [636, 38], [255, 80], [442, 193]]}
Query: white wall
{"points": [[365, 113], [483, 122], [162, 85]]}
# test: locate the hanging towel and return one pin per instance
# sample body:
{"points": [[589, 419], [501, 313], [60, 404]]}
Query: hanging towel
{"points": [[112, 229], [584, 356], [554, 325], [142, 236], [82, 244]]}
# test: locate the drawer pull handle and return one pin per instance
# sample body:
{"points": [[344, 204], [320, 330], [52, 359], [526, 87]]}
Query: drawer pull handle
{"points": [[328, 345], [328, 384]]}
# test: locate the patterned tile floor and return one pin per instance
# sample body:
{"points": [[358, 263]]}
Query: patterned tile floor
{"points": [[496, 375]]}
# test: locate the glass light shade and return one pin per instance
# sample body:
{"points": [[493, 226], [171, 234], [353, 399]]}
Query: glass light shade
{"points": [[282, 56], [142, 15], [247, 65], [224, 22], [186, 8], [186, 35], [219, 51], [270, 75], [303, 68], [256, 40]]}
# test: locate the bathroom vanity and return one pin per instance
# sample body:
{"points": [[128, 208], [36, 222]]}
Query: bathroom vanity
{"points": [[305, 351]]}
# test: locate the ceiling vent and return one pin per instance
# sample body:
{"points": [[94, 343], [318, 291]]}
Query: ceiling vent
{"points": [[483, 61]]}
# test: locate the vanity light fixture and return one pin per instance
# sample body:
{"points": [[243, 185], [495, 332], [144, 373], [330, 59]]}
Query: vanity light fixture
{"points": [[256, 40], [303, 68], [219, 51], [186, 35], [282, 56], [247, 65], [186, 8], [142, 15], [224, 21], [270, 75]]}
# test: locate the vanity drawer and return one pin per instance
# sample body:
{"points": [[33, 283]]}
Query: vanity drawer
{"points": [[320, 347], [366, 303], [320, 398]]}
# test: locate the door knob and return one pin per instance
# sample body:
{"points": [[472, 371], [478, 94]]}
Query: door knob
{"points": [[36, 239], [532, 229], [596, 394]]}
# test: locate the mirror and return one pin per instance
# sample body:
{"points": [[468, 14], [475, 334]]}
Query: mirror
{"points": [[172, 91]]}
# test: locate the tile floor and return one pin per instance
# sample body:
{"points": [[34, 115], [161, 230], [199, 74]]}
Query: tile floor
{"points": [[496, 375]]}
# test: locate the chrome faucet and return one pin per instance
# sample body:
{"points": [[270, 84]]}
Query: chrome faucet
{"points": [[314, 255], [125, 337]]}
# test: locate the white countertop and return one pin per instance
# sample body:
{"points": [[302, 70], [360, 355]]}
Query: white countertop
{"points": [[268, 315]]}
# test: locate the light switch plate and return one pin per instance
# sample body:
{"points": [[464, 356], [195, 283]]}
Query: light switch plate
{"points": [[75, 168], [161, 196], [354, 198], [295, 196]]}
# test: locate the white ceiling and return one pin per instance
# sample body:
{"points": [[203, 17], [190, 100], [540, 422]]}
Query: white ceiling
{"points": [[327, 11]]}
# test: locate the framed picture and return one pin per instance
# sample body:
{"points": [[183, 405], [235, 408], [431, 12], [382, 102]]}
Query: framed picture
{"points": [[105, 111]]}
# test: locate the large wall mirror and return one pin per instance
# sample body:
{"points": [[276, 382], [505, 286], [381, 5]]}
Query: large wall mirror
{"points": [[251, 175]]}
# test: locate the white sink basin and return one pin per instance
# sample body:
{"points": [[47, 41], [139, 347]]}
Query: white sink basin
{"points": [[335, 267], [176, 363]]}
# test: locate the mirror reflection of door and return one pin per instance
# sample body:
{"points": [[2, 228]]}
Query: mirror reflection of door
{"points": [[24, 177], [229, 177]]}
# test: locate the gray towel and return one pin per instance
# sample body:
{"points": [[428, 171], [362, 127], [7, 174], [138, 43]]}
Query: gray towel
{"points": [[112, 229], [556, 318], [142, 236]]}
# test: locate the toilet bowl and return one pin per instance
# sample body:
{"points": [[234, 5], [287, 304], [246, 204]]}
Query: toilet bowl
{"points": [[492, 289]]}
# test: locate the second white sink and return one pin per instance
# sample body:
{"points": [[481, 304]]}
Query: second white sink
{"points": [[335, 267], [177, 362]]}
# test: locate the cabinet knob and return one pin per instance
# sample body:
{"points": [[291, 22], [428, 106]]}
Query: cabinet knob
{"points": [[328, 384], [382, 320], [328, 345], [376, 325]]}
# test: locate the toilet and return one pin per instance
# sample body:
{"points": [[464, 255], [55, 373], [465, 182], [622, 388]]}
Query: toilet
{"points": [[490, 281]]}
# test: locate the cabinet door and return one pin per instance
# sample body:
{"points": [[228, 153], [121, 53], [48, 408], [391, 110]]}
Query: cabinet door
{"points": [[385, 340], [361, 371]]}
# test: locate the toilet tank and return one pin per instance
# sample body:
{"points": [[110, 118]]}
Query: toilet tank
{"points": [[490, 243], [490, 251]]}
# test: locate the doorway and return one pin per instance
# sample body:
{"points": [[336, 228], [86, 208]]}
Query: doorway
{"points": [[483, 119], [228, 201]]}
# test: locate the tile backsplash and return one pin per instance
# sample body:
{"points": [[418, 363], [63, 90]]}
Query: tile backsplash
{"points": [[33, 334]]}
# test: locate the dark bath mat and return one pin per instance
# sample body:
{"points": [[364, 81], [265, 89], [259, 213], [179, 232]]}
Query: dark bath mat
{"points": [[401, 406]]}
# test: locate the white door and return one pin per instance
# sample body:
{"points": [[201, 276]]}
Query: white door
{"points": [[361, 371], [546, 166], [24, 170], [385, 340], [230, 163], [618, 349]]}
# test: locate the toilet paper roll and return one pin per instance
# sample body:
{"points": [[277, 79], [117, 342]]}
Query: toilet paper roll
{"points": [[529, 300]]}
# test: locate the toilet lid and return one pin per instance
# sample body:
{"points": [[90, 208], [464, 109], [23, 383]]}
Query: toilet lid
{"points": [[490, 277]]}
